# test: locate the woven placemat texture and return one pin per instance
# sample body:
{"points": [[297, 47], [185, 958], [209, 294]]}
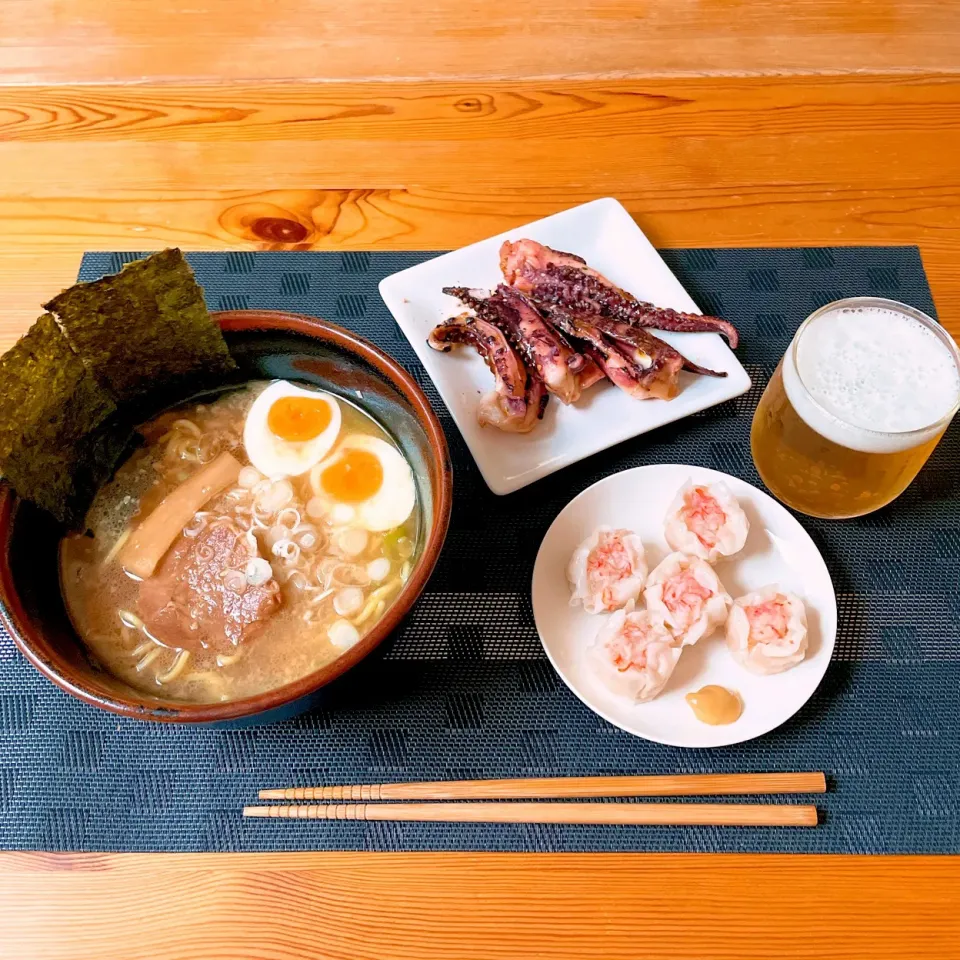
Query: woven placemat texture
{"points": [[464, 689]]}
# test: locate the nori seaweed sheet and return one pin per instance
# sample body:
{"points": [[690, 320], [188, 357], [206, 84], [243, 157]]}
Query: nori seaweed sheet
{"points": [[144, 329], [65, 483], [71, 388], [60, 434]]}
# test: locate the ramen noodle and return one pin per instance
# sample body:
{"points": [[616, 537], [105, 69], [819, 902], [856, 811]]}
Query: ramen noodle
{"points": [[252, 539]]}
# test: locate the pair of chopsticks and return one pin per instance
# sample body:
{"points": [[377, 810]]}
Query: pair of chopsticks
{"points": [[445, 801]]}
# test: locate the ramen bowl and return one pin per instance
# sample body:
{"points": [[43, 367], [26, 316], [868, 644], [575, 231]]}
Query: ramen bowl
{"points": [[266, 345]]}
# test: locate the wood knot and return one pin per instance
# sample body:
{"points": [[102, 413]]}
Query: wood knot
{"points": [[469, 105], [278, 230], [273, 226]]}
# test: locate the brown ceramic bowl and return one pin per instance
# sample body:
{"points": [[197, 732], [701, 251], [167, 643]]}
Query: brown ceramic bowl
{"points": [[266, 345]]}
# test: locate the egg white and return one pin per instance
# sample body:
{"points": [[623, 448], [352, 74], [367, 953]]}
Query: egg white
{"points": [[397, 496], [274, 456]]}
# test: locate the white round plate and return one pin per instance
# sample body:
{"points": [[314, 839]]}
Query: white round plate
{"points": [[778, 550]]}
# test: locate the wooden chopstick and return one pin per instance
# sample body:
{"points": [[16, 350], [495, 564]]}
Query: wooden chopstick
{"points": [[560, 788], [663, 814]]}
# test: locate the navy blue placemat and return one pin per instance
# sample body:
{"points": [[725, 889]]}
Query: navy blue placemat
{"points": [[465, 691]]}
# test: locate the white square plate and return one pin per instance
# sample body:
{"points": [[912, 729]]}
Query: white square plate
{"points": [[605, 235]]}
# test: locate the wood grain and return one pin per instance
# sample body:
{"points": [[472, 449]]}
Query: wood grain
{"points": [[307, 906], [224, 125], [481, 111], [88, 41], [633, 814], [700, 161], [649, 785]]}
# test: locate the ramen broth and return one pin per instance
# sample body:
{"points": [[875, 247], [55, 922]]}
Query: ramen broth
{"points": [[326, 580]]}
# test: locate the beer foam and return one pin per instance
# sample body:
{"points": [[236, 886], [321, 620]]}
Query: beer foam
{"points": [[872, 378]]}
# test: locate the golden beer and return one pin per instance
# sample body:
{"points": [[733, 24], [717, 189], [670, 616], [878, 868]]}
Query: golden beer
{"points": [[857, 404]]}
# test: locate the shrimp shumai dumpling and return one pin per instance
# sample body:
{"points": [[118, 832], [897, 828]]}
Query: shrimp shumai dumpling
{"points": [[634, 654], [687, 594], [607, 570], [706, 521], [767, 630]]}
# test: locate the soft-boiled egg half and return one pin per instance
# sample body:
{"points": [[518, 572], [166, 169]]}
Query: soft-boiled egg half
{"points": [[371, 478], [289, 429]]}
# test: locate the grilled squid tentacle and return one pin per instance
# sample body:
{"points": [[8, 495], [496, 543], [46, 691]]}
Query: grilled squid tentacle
{"points": [[637, 337], [536, 397], [555, 363], [522, 261], [590, 374], [515, 404], [641, 373], [552, 276], [637, 373], [541, 348]]}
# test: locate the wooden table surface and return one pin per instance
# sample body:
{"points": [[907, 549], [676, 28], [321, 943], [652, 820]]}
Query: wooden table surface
{"points": [[376, 124]]}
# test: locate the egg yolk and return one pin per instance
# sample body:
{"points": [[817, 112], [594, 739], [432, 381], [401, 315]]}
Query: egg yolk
{"points": [[356, 475], [298, 418]]}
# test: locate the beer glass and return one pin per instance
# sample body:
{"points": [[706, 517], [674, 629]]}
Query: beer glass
{"points": [[855, 407]]}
